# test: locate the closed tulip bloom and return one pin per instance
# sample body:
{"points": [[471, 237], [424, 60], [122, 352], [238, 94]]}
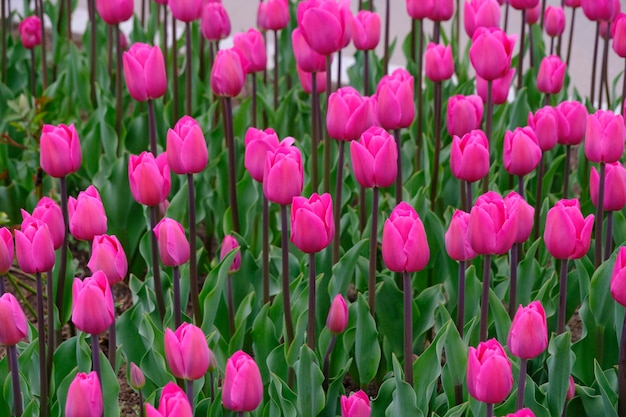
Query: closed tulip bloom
{"points": [[521, 151], [469, 156], [572, 3], [115, 11], [533, 14], [228, 244], [438, 62], [149, 178], [84, 396], [456, 237], [30, 32], [500, 87], [523, 4], [524, 412], [356, 404], [480, 13], [349, 114], [306, 81], [186, 10], [528, 336], [14, 327], [273, 14], [554, 21], [86, 214], [258, 143], [549, 124], [49, 212], [366, 30], [243, 387], [489, 375], [618, 278], [525, 215], [283, 177], [347, 22], [571, 391], [187, 352], [173, 244], [442, 10], [567, 234], [312, 224], [92, 304], [321, 24], [7, 250], [60, 152], [306, 58], [34, 246], [137, 378], [614, 186], [464, 114], [419, 9], [251, 46], [598, 9], [173, 403], [491, 52], [492, 225], [144, 72], [618, 31], [551, 75], [227, 74], [575, 114], [374, 158], [108, 256], [405, 247], [394, 96], [604, 137], [337, 319], [215, 22], [187, 151]]}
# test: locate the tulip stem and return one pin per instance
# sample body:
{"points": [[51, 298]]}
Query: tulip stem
{"points": [[362, 209], [339, 68], [436, 157], [15, 377], [624, 83], [489, 410], [621, 374], [408, 328], [315, 139], [174, 70], [484, 305], [326, 136], [310, 336], [188, 93], [33, 88], [371, 283], [608, 243], [163, 34], [571, 36], [329, 350], [178, 319], [152, 128], [506, 17], [254, 92], [212, 383], [63, 265], [231, 305], [488, 129], [337, 205], [2, 288], [521, 383], [595, 62], [520, 56], [538, 198], [396, 134], [50, 323], [513, 283], [386, 50], [95, 356], [568, 157], [460, 305], [142, 409], [189, 391], [286, 296], [420, 92], [4, 41], [603, 74], [366, 73], [41, 330], [240, 414], [91, 8], [266, 251], [232, 169], [118, 84], [560, 327], [470, 199], [156, 273], [193, 263], [600, 215], [531, 47], [275, 70]]}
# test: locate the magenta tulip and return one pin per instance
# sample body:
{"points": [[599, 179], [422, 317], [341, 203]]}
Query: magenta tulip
{"points": [[60, 152], [366, 30], [618, 32], [273, 14], [227, 74], [438, 62], [525, 215], [306, 58], [186, 10], [604, 137], [551, 75], [92, 304], [84, 396], [524, 412], [243, 387], [575, 114], [306, 81], [251, 46], [469, 156], [312, 224], [480, 13], [34, 246], [86, 214], [554, 21], [7, 250], [548, 124], [521, 153], [258, 143], [528, 336], [464, 114], [456, 237], [489, 375], [215, 23], [349, 114], [149, 178], [173, 403], [394, 96], [283, 177], [597, 10], [356, 404], [337, 319], [523, 4], [618, 278], [321, 24], [187, 352], [115, 11], [186, 147], [14, 327], [405, 247], [492, 225], [567, 234], [374, 158], [108, 256], [144, 71], [228, 244], [533, 14], [30, 32], [500, 87], [491, 52], [173, 244], [137, 379], [49, 212], [614, 186], [442, 10], [419, 9]]}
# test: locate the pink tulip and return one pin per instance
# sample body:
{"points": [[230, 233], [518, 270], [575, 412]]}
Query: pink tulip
{"points": [[215, 24], [548, 124], [283, 177], [186, 10], [347, 22], [604, 137], [273, 14], [6, 250], [533, 14], [618, 32], [227, 74], [491, 52], [366, 30], [394, 96], [306, 81], [312, 224], [173, 403], [243, 387], [575, 114], [464, 114], [30, 32], [374, 158], [618, 278], [149, 178], [115, 11], [521, 152], [187, 352], [337, 319], [438, 62], [469, 156], [523, 4], [567, 234], [49, 212], [551, 75], [14, 327], [144, 71], [419, 9], [228, 244], [492, 225], [321, 24], [614, 186], [349, 114], [60, 152], [442, 11], [34, 246], [500, 87], [306, 58], [405, 247], [528, 336], [108, 256], [554, 21], [356, 404], [84, 396], [137, 378], [173, 244], [86, 214], [524, 412], [186, 147], [251, 46], [596, 10], [92, 304], [258, 144], [525, 215], [572, 3], [456, 238], [489, 375], [480, 13]]}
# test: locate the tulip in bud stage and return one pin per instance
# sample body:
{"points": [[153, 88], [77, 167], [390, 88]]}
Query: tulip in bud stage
{"points": [[186, 10], [521, 151], [215, 22], [14, 327], [394, 96], [283, 177], [49, 212], [258, 143], [273, 14], [34, 246], [404, 243], [251, 46], [227, 74], [614, 186], [492, 225], [92, 304], [567, 234], [173, 403], [108, 256], [419, 9], [243, 387], [489, 375], [469, 156], [144, 71], [551, 75], [84, 396], [312, 224], [228, 244], [337, 319], [438, 62], [60, 152], [366, 30], [528, 336], [173, 244], [149, 178], [115, 11], [187, 352], [374, 158], [575, 113], [137, 378], [491, 52], [349, 114], [7, 250], [356, 404], [30, 32], [554, 21], [186, 147], [480, 13], [548, 124], [464, 114], [604, 137]]}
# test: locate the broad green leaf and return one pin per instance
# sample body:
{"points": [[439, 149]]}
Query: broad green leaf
{"points": [[367, 348], [309, 378]]}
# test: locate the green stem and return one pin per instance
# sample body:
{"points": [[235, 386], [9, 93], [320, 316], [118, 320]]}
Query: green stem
{"points": [[408, 329], [484, 304], [371, 283], [310, 336], [15, 375], [193, 263], [142, 409]]}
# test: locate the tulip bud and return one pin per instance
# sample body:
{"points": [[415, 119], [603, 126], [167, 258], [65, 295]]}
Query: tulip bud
{"points": [[604, 138], [571, 391], [306, 81], [500, 87], [524, 412], [572, 3], [144, 72], [492, 225], [575, 114], [258, 143], [137, 378], [173, 244], [366, 30], [355, 405], [187, 352], [212, 362], [349, 114], [598, 10], [419, 9], [84, 396], [337, 319], [92, 304], [312, 224], [464, 114], [227, 74], [186, 10], [469, 156], [523, 4], [115, 11], [528, 336], [554, 21], [186, 147], [108, 256], [306, 58], [149, 178], [86, 214], [491, 52], [521, 153], [14, 327], [251, 46], [241, 370], [60, 152], [525, 215], [49, 212], [374, 158], [614, 187], [34, 246], [533, 14], [567, 234], [441, 11], [6, 250], [321, 25], [173, 403], [480, 13], [283, 177], [394, 95], [215, 22], [404, 243], [551, 75], [438, 62], [228, 244], [30, 32], [456, 237], [618, 32], [489, 375], [548, 124], [273, 14], [346, 18]]}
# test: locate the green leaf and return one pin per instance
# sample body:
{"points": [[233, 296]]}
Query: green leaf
{"points": [[427, 369], [601, 302], [367, 349], [309, 377], [559, 369], [212, 291], [404, 401], [282, 398]]}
